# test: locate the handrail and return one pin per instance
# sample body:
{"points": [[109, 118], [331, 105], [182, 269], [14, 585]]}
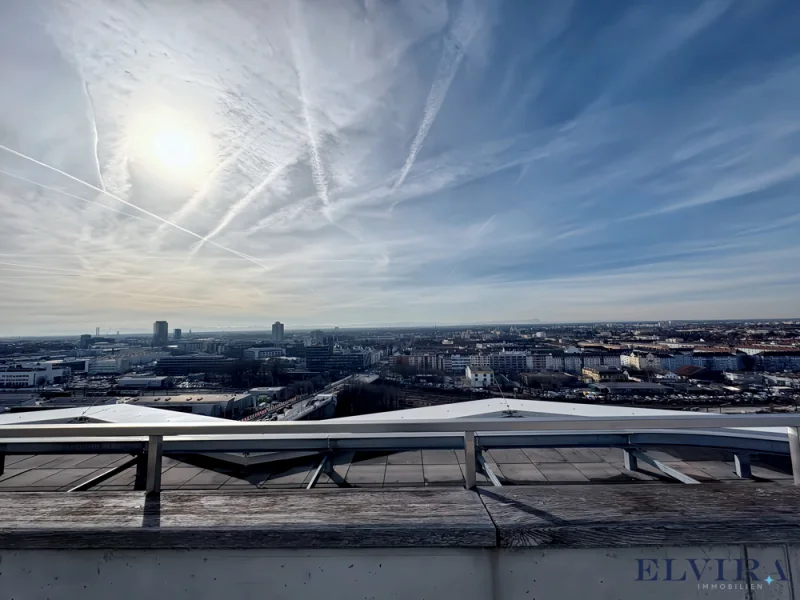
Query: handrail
{"points": [[627, 423], [467, 427]]}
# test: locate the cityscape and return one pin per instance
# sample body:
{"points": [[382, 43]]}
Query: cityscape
{"points": [[408, 299], [747, 366]]}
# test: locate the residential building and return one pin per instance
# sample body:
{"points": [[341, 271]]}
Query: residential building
{"points": [[424, 361], [176, 335], [479, 360], [601, 374], [479, 377], [508, 362], [554, 362], [277, 331], [718, 361], [160, 333], [459, 362], [536, 362], [263, 353]]}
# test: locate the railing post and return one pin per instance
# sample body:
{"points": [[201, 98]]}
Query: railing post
{"points": [[154, 453], [470, 460], [794, 451]]}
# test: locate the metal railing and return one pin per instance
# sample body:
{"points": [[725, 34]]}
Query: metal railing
{"points": [[470, 429]]}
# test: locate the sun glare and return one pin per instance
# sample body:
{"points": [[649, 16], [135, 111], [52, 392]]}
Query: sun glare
{"points": [[170, 143]]}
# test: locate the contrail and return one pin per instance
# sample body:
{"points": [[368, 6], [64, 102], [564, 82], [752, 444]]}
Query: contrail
{"points": [[191, 205], [96, 136], [317, 171], [126, 203], [489, 220], [63, 193], [237, 208], [446, 70]]}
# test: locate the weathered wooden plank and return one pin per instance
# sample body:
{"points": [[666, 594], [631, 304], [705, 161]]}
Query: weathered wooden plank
{"points": [[603, 516], [275, 519]]}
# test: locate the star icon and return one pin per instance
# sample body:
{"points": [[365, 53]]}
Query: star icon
{"points": [[769, 580]]}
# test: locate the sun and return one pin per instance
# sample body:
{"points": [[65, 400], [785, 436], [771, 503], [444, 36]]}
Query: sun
{"points": [[174, 148], [170, 143]]}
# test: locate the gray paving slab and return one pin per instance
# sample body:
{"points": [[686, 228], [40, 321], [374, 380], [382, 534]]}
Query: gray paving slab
{"points": [[177, 476], [66, 478], [443, 474], [403, 475], [582, 455], [405, 458], [602, 472], [508, 455], [561, 473], [544, 455], [366, 475], [28, 478], [518, 473], [439, 457]]}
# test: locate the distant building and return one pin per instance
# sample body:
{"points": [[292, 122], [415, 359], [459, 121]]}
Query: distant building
{"points": [[196, 363], [277, 331], [479, 378], [144, 382], [177, 334], [263, 353], [160, 333], [85, 341], [318, 358], [32, 375], [624, 388], [231, 406], [603, 374]]}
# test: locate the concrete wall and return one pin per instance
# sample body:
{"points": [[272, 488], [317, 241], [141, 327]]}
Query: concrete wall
{"points": [[624, 574]]}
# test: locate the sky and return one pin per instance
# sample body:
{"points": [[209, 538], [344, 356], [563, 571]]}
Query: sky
{"points": [[374, 162]]}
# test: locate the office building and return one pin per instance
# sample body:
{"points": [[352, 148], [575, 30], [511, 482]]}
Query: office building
{"points": [[160, 333], [177, 334], [186, 365], [263, 353], [85, 341], [277, 331], [318, 357]]}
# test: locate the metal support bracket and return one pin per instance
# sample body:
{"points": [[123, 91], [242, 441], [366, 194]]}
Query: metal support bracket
{"points": [[742, 465], [323, 467], [794, 451], [669, 471], [631, 464], [155, 447], [469, 460], [488, 470]]}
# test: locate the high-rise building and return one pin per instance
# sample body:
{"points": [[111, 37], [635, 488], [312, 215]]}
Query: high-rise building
{"points": [[86, 341], [277, 331], [160, 333], [177, 334]]}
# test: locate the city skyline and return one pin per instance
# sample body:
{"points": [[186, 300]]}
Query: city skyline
{"points": [[369, 164]]}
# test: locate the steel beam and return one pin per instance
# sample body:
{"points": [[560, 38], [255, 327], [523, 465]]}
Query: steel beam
{"points": [[669, 471], [154, 456], [742, 465], [322, 468], [631, 464], [86, 485], [469, 460], [794, 452], [488, 470]]}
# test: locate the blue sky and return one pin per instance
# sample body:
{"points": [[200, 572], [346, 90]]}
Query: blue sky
{"points": [[227, 164]]}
